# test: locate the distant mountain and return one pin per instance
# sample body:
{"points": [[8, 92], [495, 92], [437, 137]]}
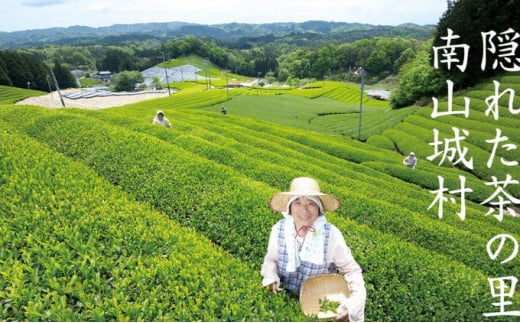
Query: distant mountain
{"points": [[305, 33]]}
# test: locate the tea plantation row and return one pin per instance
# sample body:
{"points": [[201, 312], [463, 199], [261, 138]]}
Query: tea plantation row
{"points": [[76, 248], [232, 145], [415, 133], [229, 204], [215, 174]]}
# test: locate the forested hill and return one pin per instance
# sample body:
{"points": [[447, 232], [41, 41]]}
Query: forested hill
{"points": [[302, 34]]}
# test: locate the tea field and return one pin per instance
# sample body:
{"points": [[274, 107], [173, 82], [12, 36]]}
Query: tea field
{"points": [[106, 217]]}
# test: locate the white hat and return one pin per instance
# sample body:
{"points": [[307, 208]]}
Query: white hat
{"points": [[303, 186]]}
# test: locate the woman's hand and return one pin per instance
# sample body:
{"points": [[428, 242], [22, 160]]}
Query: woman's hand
{"points": [[342, 317], [273, 288], [343, 313]]}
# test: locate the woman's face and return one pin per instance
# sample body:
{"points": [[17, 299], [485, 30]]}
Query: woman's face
{"points": [[304, 212]]}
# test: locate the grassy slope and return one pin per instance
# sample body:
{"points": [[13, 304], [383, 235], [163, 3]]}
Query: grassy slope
{"points": [[77, 248], [231, 139], [320, 114], [9, 94], [328, 107], [225, 215], [415, 132]]}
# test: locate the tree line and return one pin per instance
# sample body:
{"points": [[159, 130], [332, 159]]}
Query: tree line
{"points": [[26, 70], [409, 59], [380, 57]]}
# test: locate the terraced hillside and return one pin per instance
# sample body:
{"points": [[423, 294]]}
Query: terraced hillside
{"points": [[111, 218], [490, 140], [76, 248], [10, 94]]}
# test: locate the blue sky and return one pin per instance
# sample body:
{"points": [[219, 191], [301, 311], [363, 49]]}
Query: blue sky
{"points": [[36, 14]]}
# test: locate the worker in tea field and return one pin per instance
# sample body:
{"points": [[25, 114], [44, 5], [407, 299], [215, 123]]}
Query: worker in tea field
{"points": [[160, 119], [305, 244], [410, 161]]}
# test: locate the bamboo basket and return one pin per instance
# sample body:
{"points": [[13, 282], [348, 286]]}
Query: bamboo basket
{"points": [[316, 289]]}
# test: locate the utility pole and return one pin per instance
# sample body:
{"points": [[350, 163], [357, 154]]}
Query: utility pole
{"points": [[49, 83], [166, 74], [361, 71], [227, 87], [207, 73], [54, 77], [258, 82]]}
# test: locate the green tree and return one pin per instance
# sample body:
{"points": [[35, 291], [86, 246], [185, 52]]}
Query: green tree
{"points": [[117, 60], [17, 68], [127, 80], [23, 70], [403, 58], [38, 70], [468, 19], [295, 65], [4, 77], [417, 78], [270, 78], [156, 82], [64, 76], [79, 60], [322, 62]]}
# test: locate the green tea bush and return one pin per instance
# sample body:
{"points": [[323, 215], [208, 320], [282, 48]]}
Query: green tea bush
{"points": [[150, 285], [381, 141], [216, 176], [139, 181], [75, 248], [479, 135], [395, 284], [240, 147], [481, 124], [478, 149], [10, 94], [407, 142]]}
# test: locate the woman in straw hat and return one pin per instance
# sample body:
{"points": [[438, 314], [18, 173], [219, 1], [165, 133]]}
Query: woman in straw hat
{"points": [[304, 244]]}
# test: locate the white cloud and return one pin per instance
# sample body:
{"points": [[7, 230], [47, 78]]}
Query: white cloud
{"points": [[42, 3], [96, 7]]}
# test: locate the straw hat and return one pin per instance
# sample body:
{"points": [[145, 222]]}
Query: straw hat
{"points": [[303, 186], [316, 289]]}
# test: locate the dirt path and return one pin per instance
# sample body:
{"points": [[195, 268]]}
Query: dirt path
{"points": [[52, 100]]}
